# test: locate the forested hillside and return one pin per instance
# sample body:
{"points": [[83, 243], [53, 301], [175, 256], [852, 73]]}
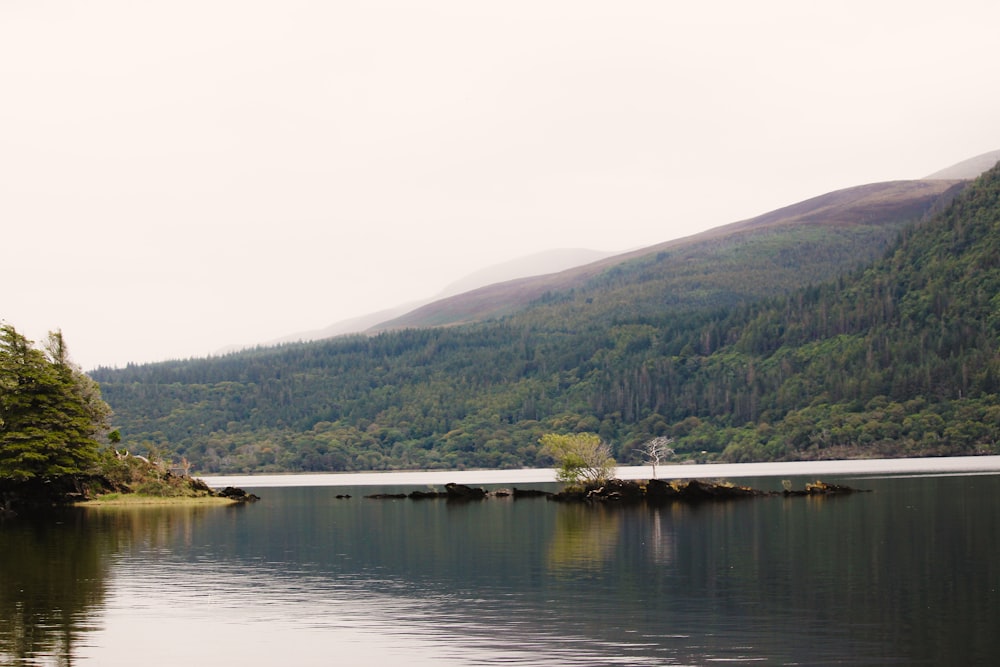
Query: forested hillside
{"points": [[899, 358]]}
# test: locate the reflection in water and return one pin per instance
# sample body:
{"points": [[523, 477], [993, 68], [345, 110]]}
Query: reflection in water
{"points": [[258, 615], [661, 540], [52, 578], [55, 571], [905, 575], [584, 537]]}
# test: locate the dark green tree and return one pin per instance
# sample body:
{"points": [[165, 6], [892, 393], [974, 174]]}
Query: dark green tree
{"points": [[51, 414]]}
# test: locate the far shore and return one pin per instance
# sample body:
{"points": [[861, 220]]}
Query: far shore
{"points": [[834, 468]]}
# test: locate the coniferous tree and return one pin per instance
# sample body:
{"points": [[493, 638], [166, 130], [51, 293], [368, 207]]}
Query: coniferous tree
{"points": [[50, 412]]}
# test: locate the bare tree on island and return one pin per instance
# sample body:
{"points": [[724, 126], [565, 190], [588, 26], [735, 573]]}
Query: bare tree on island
{"points": [[657, 451]]}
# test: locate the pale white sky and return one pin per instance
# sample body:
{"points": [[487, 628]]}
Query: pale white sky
{"points": [[178, 176]]}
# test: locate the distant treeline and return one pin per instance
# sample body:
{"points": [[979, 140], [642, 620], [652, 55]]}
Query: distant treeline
{"points": [[896, 358]]}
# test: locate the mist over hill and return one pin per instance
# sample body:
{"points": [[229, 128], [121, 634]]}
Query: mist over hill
{"points": [[858, 323], [541, 263], [845, 206], [968, 169], [800, 244]]}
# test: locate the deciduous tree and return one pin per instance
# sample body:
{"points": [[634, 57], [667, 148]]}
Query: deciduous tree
{"points": [[581, 458], [658, 450]]}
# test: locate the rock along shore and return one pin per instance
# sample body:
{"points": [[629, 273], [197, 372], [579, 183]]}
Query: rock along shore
{"points": [[623, 491]]}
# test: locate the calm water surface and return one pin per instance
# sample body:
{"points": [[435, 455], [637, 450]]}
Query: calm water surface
{"points": [[908, 574]]}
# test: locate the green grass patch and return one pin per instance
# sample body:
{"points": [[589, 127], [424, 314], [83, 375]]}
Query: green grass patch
{"points": [[140, 500]]}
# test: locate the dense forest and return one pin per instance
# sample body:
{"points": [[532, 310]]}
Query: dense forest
{"points": [[896, 358]]}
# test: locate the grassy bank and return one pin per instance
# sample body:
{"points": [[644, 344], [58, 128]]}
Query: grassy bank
{"points": [[134, 481], [140, 500]]}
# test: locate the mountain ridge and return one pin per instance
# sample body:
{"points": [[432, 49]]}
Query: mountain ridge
{"points": [[866, 204], [534, 264], [512, 282], [893, 357], [968, 169], [515, 280]]}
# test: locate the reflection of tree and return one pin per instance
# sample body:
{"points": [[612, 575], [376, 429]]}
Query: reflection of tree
{"points": [[661, 541], [584, 537], [52, 577], [54, 573], [154, 526]]}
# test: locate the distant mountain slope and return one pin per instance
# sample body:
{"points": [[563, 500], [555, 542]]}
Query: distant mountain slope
{"points": [[349, 326], [537, 264], [540, 263], [807, 242], [968, 169]]}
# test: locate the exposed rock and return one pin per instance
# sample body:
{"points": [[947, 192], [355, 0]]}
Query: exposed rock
{"points": [[198, 484], [819, 488], [700, 490], [463, 492], [423, 495], [822, 488], [659, 491], [625, 492], [529, 493], [571, 495], [239, 495], [617, 490]]}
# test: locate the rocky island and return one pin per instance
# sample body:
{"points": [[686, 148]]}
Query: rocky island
{"points": [[625, 491]]}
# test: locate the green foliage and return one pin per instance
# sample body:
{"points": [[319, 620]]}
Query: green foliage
{"points": [[776, 354], [122, 472], [581, 458], [50, 413]]}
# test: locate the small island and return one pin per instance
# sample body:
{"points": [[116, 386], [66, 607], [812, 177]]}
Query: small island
{"points": [[618, 491], [57, 446], [136, 481], [118, 479]]}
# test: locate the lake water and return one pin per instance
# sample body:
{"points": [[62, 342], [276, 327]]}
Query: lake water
{"points": [[908, 574]]}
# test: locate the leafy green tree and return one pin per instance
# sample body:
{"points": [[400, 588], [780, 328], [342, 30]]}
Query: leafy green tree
{"points": [[581, 458], [51, 414]]}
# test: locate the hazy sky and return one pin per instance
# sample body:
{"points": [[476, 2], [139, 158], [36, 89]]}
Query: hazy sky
{"points": [[178, 176]]}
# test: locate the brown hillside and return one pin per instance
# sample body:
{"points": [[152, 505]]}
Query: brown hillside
{"points": [[879, 206]]}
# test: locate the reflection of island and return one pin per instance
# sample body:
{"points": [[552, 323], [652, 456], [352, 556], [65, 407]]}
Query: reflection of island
{"points": [[584, 537], [55, 572]]}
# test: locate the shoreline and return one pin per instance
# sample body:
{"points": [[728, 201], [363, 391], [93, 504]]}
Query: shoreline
{"points": [[779, 469], [135, 500]]}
